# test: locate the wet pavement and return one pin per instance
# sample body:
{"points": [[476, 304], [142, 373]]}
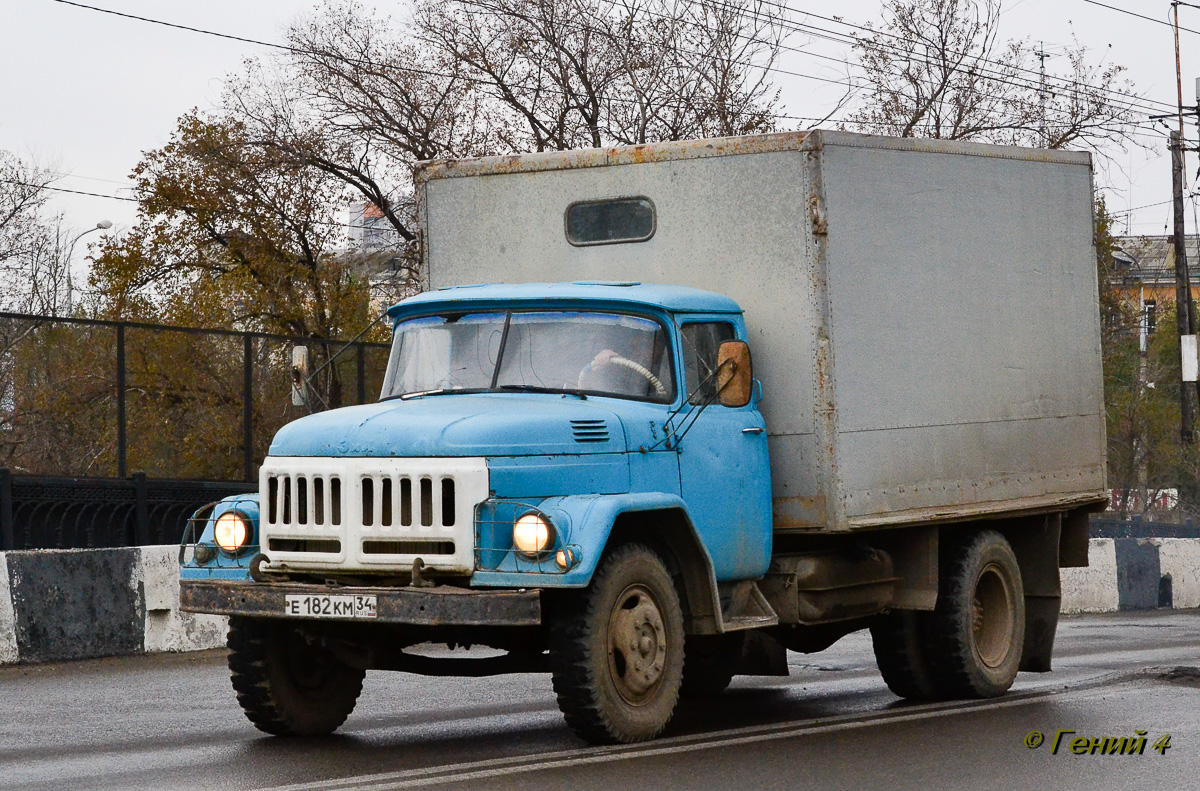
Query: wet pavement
{"points": [[171, 721]]}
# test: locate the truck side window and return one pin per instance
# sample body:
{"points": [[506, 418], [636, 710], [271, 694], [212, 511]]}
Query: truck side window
{"points": [[701, 341]]}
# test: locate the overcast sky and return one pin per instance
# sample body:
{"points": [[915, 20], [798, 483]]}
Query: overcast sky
{"points": [[88, 92]]}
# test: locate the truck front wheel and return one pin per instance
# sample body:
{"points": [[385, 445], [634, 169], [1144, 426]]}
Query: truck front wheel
{"points": [[979, 623], [286, 686], [616, 650]]}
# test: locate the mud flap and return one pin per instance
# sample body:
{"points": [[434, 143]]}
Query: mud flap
{"points": [[1035, 541], [1041, 623]]}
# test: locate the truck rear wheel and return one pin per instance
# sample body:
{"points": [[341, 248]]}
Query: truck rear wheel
{"points": [[979, 623], [709, 663], [616, 650], [901, 642], [285, 686]]}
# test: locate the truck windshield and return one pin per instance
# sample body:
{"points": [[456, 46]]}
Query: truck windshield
{"points": [[541, 351]]}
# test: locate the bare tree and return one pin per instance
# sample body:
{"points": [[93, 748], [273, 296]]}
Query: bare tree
{"points": [[364, 98], [939, 69], [34, 245], [586, 73]]}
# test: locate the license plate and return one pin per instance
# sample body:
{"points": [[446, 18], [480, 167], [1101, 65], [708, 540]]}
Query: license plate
{"points": [[325, 606]]}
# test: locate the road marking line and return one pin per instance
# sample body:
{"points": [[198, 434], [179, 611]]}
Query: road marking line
{"points": [[479, 770]]}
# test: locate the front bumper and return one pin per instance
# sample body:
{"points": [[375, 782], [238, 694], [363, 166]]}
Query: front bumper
{"points": [[442, 605]]}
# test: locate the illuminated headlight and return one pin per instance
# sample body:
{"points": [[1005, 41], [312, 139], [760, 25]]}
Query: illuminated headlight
{"points": [[532, 534], [232, 531]]}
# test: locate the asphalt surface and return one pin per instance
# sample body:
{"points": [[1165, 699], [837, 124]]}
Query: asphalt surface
{"points": [[171, 721]]}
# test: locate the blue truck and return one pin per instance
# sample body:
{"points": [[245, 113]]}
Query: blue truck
{"points": [[591, 475]]}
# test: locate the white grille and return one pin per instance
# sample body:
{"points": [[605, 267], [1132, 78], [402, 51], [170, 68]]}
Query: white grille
{"points": [[370, 514]]}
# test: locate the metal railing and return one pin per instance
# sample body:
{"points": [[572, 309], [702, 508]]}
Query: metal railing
{"points": [[1139, 528], [92, 398], [112, 433], [48, 512]]}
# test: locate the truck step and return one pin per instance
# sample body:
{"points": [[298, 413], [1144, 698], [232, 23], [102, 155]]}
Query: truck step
{"points": [[743, 606]]}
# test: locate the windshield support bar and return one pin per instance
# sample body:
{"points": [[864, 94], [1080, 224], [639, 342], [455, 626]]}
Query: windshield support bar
{"points": [[500, 353]]}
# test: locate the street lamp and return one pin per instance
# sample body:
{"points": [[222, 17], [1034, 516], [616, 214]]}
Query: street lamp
{"points": [[103, 225]]}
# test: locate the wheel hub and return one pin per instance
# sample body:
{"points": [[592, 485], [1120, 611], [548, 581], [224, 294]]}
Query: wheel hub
{"points": [[992, 624], [637, 644]]}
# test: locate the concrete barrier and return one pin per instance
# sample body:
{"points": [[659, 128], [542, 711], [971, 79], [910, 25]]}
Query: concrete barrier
{"points": [[1179, 559], [166, 628], [87, 603], [79, 604], [8, 618], [1093, 588]]}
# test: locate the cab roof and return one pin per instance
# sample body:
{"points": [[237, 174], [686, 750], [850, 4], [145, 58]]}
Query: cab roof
{"points": [[676, 299]]}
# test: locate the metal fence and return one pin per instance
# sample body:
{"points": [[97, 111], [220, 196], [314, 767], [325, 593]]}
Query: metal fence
{"points": [[111, 433], [47, 512], [1139, 528]]}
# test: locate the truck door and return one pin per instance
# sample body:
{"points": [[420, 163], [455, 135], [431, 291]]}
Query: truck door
{"points": [[724, 470]]}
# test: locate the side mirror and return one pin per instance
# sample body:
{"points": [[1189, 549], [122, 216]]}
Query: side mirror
{"points": [[735, 378]]}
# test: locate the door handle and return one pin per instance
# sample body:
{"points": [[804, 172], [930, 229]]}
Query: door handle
{"points": [[753, 430]]}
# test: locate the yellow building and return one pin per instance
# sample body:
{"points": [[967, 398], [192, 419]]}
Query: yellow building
{"points": [[1145, 272]]}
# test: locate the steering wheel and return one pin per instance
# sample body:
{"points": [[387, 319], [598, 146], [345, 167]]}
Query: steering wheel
{"points": [[622, 362]]}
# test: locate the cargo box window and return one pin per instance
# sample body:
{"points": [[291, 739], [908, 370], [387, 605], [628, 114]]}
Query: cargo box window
{"points": [[610, 221]]}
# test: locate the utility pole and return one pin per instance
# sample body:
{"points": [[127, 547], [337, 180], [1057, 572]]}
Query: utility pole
{"points": [[1185, 321], [1041, 54], [1187, 392]]}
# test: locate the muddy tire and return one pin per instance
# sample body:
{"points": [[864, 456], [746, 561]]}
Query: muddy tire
{"points": [[710, 662], [616, 650], [901, 642], [979, 623], [285, 686]]}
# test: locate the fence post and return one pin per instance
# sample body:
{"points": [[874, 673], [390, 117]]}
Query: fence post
{"points": [[141, 509], [362, 374], [7, 534], [248, 406], [122, 439]]}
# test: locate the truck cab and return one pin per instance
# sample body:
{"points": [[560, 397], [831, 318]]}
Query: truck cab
{"points": [[545, 402]]}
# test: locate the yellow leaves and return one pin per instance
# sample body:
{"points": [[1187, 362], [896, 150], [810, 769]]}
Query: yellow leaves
{"points": [[230, 232]]}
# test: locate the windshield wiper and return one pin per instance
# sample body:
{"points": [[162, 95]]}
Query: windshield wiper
{"points": [[537, 389], [436, 391]]}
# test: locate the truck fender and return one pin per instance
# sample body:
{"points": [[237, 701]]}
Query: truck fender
{"points": [[659, 520]]}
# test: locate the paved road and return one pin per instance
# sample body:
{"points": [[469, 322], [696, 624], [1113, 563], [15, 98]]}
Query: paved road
{"points": [[170, 722]]}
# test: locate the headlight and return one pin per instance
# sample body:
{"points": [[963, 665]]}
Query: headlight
{"points": [[532, 534], [232, 531]]}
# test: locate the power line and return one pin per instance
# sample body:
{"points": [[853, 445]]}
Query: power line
{"points": [[1137, 208], [851, 39], [360, 62], [73, 192], [1132, 100], [840, 38], [836, 37], [185, 208], [1140, 16]]}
